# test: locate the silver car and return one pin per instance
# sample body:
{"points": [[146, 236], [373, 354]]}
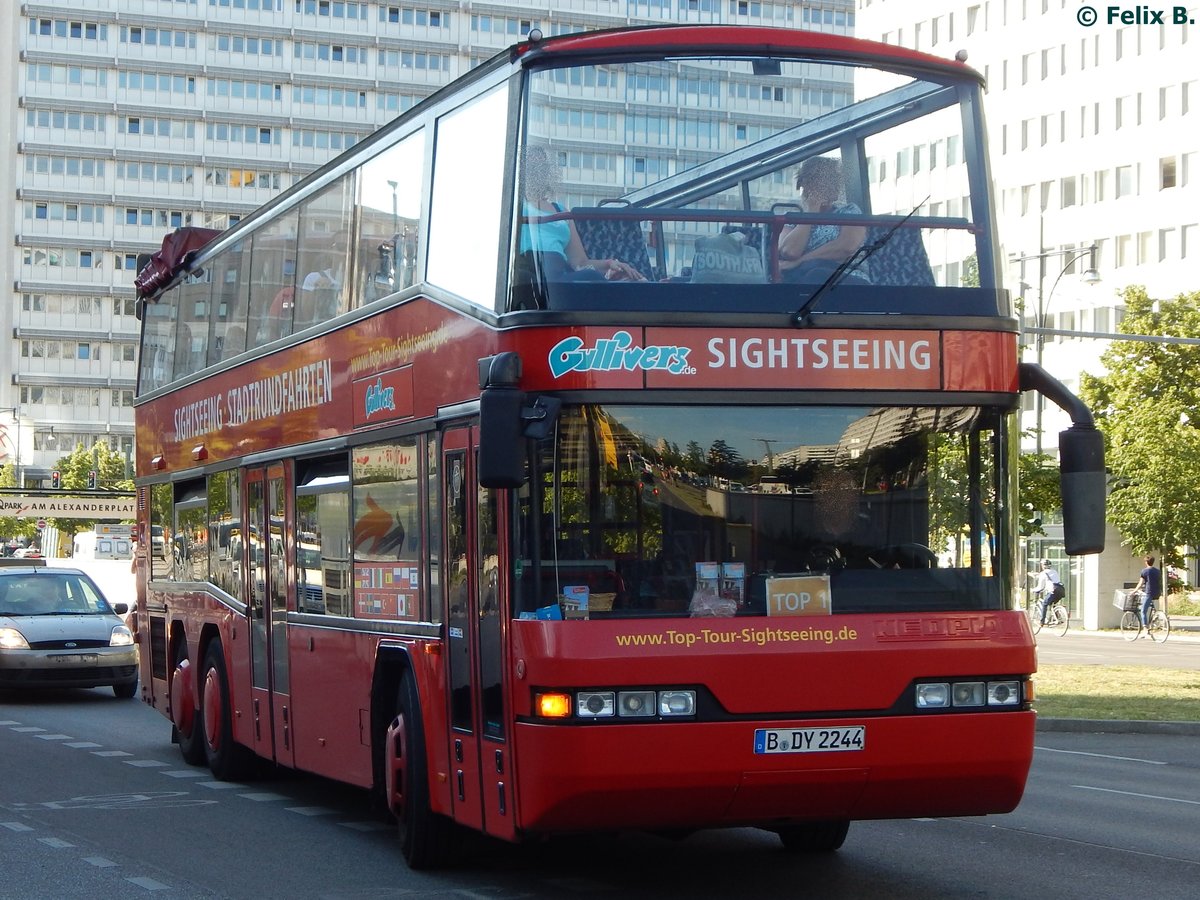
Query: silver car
{"points": [[57, 630]]}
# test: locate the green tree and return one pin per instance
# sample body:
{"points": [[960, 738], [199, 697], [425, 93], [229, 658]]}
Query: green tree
{"points": [[11, 526], [1148, 408], [1039, 491], [74, 468]]}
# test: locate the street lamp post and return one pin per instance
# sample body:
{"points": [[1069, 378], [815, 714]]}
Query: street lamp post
{"points": [[1090, 276]]}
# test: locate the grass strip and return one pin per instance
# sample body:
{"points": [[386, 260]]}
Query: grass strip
{"points": [[1118, 692]]}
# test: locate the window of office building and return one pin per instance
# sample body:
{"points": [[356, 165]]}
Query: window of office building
{"points": [[1125, 181]]}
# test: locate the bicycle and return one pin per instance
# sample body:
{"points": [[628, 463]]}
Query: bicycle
{"points": [[1158, 628], [1057, 620]]}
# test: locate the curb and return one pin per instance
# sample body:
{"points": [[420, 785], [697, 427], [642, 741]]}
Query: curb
{"points": [[1117, 726]]}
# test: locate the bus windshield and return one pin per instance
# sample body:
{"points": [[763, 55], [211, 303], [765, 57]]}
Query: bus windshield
{"points": [[690, 173], [686, 511]]}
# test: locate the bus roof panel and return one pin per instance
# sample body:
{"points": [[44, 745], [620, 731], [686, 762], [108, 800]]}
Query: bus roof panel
{"points": [[700, 40]]}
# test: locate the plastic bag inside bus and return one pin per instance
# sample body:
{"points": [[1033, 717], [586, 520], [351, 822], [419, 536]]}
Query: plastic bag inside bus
{"points": [[879, 508]]}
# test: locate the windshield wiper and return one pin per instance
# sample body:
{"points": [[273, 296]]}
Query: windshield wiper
{"points": [[849, 264]]}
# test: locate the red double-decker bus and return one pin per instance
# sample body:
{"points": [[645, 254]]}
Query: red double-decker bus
{"points": [[623, 438]]}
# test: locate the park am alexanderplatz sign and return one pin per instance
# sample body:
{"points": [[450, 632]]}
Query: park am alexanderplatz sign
{"points": [[28, 505]]}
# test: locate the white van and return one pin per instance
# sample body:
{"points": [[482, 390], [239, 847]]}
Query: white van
{"points": [[90, 545]]}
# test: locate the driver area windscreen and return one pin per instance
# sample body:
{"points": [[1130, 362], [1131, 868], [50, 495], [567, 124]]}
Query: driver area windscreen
{"points": [[644, 511]]}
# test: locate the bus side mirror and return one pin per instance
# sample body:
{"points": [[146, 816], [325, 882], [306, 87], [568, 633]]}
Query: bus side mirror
{"points": [[1083, 481], [502, 442]]}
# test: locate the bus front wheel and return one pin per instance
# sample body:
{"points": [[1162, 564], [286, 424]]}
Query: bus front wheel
{"points": [[814, 837], [425, 836]]}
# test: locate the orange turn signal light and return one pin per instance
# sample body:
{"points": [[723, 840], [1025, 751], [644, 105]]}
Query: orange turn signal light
{"points": [[552, 706]]}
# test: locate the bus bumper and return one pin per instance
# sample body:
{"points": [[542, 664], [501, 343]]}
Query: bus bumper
{"points": [[707, 775]]}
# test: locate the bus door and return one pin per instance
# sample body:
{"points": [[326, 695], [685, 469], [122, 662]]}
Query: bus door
{"points": [[267, 611], [481, 784]]}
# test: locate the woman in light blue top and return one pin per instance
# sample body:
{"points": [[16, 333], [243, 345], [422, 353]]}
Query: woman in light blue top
{"points": [[811, 252], [557, 243]]}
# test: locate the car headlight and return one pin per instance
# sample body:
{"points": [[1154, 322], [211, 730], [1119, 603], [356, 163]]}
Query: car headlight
{"points": [[121, 637], [11, 639]]}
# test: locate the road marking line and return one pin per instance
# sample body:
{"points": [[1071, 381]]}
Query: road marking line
{"points": [[57, 843], [26, 729], [186, 773], [365, 826], [15, 826], [1088, 787], [149, 884], [53, 737], [1152, 762], [312, 810], [263, 796], [219, 785], [99, 862], [145, 763], [84, 745], [110, 753]]}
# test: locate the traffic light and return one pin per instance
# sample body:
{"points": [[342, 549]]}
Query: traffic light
{"points": [[56, 479], [92, 480]]}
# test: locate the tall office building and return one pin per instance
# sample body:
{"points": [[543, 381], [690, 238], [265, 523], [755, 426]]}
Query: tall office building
{"points": [[1094, 131], [129, 118]]}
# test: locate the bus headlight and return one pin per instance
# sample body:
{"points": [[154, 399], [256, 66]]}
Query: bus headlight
{"points": [[676, 703], [933, 696], [968, 693], [636, 704], [595, 704], [1004, 693]]}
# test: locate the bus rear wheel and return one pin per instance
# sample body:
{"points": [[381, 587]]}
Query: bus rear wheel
{"points": [[187, 724], [426, 837], [814, 837], [229, 761]]}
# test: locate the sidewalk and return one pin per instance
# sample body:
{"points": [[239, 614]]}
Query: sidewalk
{"points": [[1116, 726]]}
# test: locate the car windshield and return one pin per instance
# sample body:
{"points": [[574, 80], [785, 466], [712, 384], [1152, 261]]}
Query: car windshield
{"points": [[50, 594]]}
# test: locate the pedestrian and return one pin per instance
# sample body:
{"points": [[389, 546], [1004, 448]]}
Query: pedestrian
{"points": [[1049, 586], [1150, 584]]}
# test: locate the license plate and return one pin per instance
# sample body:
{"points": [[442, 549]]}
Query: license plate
{"points": [[809, 740], [74, 659]]}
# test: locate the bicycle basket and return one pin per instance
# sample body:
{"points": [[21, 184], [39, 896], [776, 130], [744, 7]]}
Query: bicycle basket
{"points": [[1133, 602]]}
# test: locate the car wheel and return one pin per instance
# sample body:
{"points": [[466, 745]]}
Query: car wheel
{"points": [[125, 691]]}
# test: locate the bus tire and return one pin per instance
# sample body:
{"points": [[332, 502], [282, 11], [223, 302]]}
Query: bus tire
{"points": [[228, 760], [814, 837], [187, 725], [425, 836]]}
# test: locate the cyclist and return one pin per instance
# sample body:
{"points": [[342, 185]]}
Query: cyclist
{"points": [[1150, 584], [1048, 587]]}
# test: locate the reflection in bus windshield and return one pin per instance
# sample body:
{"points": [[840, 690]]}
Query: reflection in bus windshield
{"points": [[641, 510]]}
